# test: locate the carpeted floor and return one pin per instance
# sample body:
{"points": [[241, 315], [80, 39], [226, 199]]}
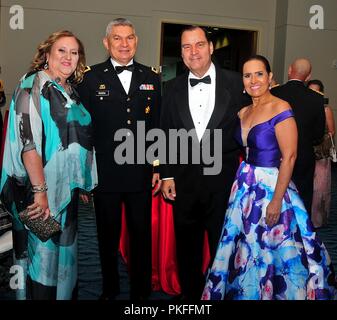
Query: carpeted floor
{"points": [[89, 266]]}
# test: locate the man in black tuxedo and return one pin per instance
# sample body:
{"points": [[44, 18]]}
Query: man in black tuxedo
{"points": [[308, 107], [119, 93], [206, 97]]}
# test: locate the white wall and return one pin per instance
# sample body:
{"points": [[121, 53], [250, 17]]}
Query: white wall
{"points": [[320, 46], [88, 19]]}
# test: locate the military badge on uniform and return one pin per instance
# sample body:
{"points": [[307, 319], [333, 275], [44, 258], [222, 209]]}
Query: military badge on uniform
{"points": [[147, 109], [102, 93], [145, 86], [102, 87]]}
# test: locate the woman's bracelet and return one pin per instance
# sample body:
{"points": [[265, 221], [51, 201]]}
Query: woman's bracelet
{"points": [[39, 187]]}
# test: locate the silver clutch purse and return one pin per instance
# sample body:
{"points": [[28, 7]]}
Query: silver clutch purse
{"points": [[43, 229]]}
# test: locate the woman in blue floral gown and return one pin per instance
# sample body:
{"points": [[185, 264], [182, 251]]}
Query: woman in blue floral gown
{"points": [[48, 157], [268, 249]]}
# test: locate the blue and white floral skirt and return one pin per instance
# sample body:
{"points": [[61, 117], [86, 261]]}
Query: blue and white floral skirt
{"points": [[256, 262]]}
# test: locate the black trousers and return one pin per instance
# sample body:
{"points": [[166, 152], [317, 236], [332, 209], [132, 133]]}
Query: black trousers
{"points": [[304, 181], [108, 208], [193, 215]]}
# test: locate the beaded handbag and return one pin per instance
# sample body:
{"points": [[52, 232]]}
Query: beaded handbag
{"points": [[43, 229]]}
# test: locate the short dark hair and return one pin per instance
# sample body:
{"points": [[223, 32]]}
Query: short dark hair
{"points": [[194, 27], [318, 83], [258, 57]]}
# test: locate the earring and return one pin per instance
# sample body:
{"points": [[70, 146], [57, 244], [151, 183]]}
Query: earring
{"points": [[244, 91], [45, 67]]}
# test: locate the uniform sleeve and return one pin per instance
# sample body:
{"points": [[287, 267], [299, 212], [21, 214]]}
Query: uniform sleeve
{"points": [[157, 111], [166, 124]]}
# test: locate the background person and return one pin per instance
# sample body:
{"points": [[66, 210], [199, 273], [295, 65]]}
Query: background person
{"points": [[308, 108], [322, 178], [2, 103]]}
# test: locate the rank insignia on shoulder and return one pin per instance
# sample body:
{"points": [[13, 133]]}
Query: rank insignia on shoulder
{"points": [[102, 87], [147, 109], [154, 70], [319, 92], [87, 68]]}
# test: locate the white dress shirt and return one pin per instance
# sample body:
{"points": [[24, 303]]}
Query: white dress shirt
{"points": [[201, 100], [125, 76]]}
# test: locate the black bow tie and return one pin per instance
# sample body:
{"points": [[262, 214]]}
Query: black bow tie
{"points": [[120, 69], [194, 81]]}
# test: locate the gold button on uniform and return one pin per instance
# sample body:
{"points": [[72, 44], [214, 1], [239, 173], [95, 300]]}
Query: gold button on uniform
{"points": [[129, 122], [128, 110], [128, 99]]}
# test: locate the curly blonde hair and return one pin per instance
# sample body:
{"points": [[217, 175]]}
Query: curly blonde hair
{"points": [[44, 47]]}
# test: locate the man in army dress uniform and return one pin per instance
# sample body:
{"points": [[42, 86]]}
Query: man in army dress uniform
{"points": [[118, 93]]}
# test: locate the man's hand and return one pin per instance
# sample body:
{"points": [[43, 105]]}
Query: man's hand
{"points": [[168, 189], [156, 183]]}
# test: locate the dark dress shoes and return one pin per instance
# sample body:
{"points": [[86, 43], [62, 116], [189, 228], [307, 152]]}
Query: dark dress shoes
{"points": [[107, 297]]}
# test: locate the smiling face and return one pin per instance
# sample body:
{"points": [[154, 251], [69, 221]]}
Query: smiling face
{"points": [[256, 79], [121, 44], [63, 58], [196, 51]]}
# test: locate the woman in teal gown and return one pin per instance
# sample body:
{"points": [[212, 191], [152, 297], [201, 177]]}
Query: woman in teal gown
{"points": [[48, 158]]}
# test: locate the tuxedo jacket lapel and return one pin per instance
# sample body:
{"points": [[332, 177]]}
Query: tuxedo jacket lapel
{"points": [[221, 101], [183, 104], [221, 104]]}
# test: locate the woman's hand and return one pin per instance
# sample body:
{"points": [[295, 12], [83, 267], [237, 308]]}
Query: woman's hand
{"points": [[85, 197], [40, 207], [273, 212]]}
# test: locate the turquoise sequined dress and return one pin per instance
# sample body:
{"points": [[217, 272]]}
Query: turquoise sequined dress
{"points": [[44, 117]]}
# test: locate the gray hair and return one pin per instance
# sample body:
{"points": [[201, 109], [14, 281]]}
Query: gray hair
{"points": [[119, 22]]}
